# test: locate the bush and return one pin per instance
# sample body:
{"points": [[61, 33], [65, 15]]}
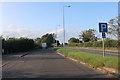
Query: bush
{"points": [[73, 44], [17, 45], [111, 43], [97, 44], [108, 43]]}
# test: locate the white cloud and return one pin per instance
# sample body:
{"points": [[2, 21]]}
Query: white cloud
{"points": [[14, 31], [60, 31], [1, 32], [21, 33], [68, 34], [11, 26]]}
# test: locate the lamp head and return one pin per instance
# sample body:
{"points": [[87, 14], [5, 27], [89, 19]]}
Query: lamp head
{"points": [[68, 6]]}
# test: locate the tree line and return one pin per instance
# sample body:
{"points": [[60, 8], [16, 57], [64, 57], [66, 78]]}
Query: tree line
{"points": [[108, 43], [88, 38], [47, 38], [25, 44]]}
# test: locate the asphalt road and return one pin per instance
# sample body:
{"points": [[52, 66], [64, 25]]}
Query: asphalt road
{"points": [[95, 51], [45, 63]]}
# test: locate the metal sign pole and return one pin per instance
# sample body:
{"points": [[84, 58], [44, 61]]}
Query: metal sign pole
{"points": [[103, 48]]}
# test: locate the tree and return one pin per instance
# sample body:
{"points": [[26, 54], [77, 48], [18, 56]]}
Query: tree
{"points": [[73, 40], [114, 27], [88, 35], [49, 39], [38, 41]]}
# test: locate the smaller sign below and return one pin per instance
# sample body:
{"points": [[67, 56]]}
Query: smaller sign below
{"points": [[103, 27], [103, 35]]}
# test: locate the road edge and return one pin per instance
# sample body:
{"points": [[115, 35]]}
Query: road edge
{"points": [[104, 70]]}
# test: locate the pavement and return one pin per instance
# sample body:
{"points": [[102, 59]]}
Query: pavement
{"points": [[45, 63]]}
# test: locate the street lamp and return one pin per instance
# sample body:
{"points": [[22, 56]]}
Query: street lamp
{"points": [[64, 25]]}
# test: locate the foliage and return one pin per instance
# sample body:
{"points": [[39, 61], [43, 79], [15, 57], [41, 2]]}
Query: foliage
{"points": [[73, 40], [17, 45], [111, 43], [47, 38], [108, 43], [88, 35], [38, 42], [74, 44], [92, 59], [114, 28]]}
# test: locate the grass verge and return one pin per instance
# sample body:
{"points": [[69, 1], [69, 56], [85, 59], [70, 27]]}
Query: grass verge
{"points": [[109, 48], [93, 59]]}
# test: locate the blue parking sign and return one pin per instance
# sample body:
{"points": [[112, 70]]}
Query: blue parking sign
{"points": [[103, 27]]}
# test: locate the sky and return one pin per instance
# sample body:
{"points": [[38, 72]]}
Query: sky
{"points": [[34, 19]]}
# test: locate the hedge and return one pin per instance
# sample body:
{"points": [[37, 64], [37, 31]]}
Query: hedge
{"points": [[18, 45], [108, 43]]}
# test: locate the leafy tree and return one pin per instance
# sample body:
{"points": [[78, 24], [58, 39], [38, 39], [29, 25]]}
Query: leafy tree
{"points": [[114, 27], [49, 39], [73, 40], [38, 41], [88, 35]]}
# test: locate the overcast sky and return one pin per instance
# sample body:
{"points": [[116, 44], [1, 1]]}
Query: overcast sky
{"points": [[33, 19]]}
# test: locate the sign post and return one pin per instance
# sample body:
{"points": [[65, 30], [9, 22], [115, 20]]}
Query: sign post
{"points": [[103, 36], [103, 28]]}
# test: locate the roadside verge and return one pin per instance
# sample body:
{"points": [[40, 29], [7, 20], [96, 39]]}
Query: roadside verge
{"points": [[106, 64]]}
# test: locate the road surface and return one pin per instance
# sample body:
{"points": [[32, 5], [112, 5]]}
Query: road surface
{"points": [[45, 63], [97, 51]]}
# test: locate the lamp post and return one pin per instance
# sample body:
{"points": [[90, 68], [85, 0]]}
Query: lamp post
{"points": [[64, 25]]}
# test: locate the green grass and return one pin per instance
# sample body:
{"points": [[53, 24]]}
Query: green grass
{"points": [[55, 48], [109, 48], [93, 59]]}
